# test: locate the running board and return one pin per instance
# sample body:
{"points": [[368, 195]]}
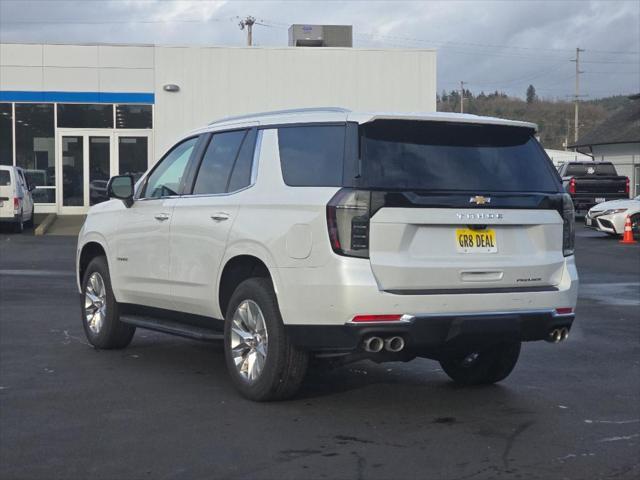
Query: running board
{"points": [[172, 328]]}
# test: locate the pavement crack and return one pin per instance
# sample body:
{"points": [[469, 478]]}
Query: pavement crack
{"points": [[511, 442]]}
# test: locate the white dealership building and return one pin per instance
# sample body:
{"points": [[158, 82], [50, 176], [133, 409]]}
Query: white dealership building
{"points": [[73, 115]]}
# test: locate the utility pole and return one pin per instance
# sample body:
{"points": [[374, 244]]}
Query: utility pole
{"points": [[577, 95], [462, 96], [248, 22]]}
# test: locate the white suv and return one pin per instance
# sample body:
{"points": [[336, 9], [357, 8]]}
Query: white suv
{"points": [[323, 233]]}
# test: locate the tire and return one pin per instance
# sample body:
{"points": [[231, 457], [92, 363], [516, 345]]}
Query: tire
{"points": [[490, 366], [104, 331], [283, 367], [19, 225]]}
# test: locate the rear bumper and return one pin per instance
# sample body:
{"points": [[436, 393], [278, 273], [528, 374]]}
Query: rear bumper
{"points": [[12, 219], [431, 334], [333, 294], [583, 203]]}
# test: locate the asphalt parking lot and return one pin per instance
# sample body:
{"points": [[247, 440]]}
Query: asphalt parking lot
{"points": [[164, 408]]}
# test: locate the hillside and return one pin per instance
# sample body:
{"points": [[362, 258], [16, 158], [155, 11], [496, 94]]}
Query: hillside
{"points": [[554, 118]]}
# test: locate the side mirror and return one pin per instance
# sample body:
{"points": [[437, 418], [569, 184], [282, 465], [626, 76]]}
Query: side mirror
{"points": [[31, 187], [121, 187]]}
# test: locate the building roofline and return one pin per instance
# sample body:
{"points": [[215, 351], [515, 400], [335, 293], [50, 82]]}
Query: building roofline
{"points": [[238, 47], [580, 145]]}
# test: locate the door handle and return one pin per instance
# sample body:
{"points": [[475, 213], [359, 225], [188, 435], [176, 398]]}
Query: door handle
{"points": [[220, 216], [162, 217]]}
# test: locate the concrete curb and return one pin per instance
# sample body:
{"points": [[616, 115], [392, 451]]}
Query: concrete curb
{"points": [[45, 224]]}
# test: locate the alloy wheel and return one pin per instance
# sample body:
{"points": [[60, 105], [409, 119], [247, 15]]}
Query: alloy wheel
{"points": [[95, 303], [249, 340]]}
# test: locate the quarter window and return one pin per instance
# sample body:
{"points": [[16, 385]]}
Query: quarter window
{"points": [[218, 161], [312, 156], [241, 175], [166, 178]]}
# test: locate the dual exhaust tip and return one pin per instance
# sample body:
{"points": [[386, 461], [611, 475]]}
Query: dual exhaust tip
{"points": [[377, 344], [558, 335]]}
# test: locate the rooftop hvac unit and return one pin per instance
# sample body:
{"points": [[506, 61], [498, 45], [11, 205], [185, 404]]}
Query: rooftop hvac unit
{"points": [[320, 36]]}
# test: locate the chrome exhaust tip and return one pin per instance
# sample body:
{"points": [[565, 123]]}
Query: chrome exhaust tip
{"points": [[558, 335], [555, 336], [394, 344], [373, 344]]}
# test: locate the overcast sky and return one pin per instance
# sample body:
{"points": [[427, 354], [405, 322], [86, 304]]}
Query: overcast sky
{"points": [[502, 45]]}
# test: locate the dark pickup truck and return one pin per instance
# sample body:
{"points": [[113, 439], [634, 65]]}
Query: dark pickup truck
{"points": [[590, 183]]}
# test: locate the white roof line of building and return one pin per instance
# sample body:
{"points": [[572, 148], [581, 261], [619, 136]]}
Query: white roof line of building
{"points": [[239, 47]]}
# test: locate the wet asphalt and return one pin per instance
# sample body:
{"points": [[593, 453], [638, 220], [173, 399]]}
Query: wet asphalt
{"points": [[164, 408]]}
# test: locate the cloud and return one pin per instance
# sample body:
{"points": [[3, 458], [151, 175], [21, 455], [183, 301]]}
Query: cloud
{"points": [[476, 40]]}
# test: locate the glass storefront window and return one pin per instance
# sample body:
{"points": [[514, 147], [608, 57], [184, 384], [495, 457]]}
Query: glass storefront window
{"points": [[99, 162], [6, 134], [134, 116], [72, 171], [35, 147], [132, 156], [77, 115]]}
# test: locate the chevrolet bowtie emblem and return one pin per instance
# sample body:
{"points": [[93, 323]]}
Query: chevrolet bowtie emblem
{"points": [[480, 200]]}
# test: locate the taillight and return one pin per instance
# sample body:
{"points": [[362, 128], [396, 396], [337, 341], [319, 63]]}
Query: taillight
{"points": [[348, 222], [572, 186], [16, 203], [568, 225], [626, 187]]}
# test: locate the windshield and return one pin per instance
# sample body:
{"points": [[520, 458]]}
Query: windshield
{"points": [[584, 169], [419, 155]]}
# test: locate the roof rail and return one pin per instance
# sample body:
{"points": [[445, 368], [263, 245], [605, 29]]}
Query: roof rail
{"points": [[283, 112]]}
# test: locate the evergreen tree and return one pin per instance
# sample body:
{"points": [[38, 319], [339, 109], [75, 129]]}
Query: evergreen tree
{"points": [[531, 94]]}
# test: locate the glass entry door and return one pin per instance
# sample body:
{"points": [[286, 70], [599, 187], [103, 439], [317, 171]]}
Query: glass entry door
{"points": [[88, 158], [85, 162]]}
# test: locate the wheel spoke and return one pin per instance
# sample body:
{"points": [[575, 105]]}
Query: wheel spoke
{"points": [[251, 366]]}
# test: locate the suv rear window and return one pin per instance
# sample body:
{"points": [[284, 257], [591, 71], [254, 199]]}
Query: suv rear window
{"points": [[312, 156], [438, 156], [584, 169], [5, 178]]}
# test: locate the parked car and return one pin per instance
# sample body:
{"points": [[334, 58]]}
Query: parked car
{"points": [[341, 236], [16, 203], [590, 183], [610, 217]]}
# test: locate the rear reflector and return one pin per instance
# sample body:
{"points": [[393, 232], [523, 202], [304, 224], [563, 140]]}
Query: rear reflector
{"points": [[376, 318], [564, 310]]}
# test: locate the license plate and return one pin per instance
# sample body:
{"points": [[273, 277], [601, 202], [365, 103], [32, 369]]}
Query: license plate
{"points": [[476, 241], [600, 200], [587, 221]]}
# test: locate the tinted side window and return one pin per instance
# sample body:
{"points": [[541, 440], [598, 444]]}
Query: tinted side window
{"points": [[5, 178], [312, 155], [218, 161], [241, 175], [165, 180]]}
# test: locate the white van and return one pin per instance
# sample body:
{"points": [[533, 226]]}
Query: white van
{"points": [[16, 202]]}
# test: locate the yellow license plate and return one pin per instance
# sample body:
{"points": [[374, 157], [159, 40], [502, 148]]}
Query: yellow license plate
{"points": [[476, 241]]}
